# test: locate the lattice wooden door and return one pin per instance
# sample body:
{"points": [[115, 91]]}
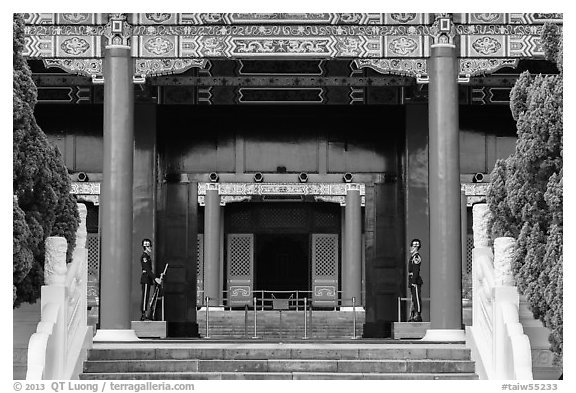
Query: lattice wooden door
{"points": [[324, 269], [240, 260], [200, 271], [93, 245]]}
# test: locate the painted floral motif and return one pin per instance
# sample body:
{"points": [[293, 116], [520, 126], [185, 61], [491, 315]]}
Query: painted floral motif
{"points": [[350, 18], [487, 17], [166, 66], [212, 18], [539, 16], [403, 46], [158, 18], [76, 18], [75, 46], [471, 67], [279, 46], [267, 17], [412, 67], [486, 45], [213, 46], [349, 46], [158, 46], [403, 18]]}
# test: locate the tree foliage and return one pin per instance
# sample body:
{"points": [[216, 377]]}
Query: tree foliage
{"points": [[43, 205], [525, 196]]}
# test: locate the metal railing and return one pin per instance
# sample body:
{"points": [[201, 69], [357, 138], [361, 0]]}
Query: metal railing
{"points": [[264, 299], [407, 299], [281, 301]]}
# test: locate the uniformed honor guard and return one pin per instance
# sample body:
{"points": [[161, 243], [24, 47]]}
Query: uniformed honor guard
{"points": [[415, 281], [148, 278]]}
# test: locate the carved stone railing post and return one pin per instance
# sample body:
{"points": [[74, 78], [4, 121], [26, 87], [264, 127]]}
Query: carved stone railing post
{"points": [[81, 233], [480, 218], [503, 257], [55, 261]]}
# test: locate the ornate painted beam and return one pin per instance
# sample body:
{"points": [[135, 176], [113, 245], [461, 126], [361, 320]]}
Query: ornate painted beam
{"points": [[290, 18], [396, 43]]}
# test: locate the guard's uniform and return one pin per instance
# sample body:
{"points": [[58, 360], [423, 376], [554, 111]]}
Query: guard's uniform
{"points": [[146, 280], [415, 282]]}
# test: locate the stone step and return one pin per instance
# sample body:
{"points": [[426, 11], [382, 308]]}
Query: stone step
{"points": [[195, 359], [282, 365], [276, 376], [263, 352]]}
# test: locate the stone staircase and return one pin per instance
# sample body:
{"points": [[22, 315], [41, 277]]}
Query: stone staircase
{"points": [[199, 360], [320, 324]]}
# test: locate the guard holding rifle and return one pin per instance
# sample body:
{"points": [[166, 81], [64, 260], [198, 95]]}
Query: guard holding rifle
{"points": [[148, 278], [415, 281]]}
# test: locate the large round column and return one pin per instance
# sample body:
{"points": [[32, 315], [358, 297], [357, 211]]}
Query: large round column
{"points": [[352, 262], [212, 244], [444, 186], [116, 191]]}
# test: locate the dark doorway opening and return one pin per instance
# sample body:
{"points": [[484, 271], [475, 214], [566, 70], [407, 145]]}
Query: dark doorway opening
{"points": [[282, 262]]}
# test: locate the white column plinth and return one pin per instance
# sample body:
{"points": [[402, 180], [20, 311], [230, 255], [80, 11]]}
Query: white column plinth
{"points": [[448, 335], [118, 335]]}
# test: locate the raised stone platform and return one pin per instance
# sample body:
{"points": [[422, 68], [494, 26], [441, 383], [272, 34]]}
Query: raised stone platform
{"points": [[288, 325], [150, 329], [409, 329]]}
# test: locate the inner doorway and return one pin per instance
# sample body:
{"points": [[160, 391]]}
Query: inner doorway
{"points": [[287, 246], [282, 262]]}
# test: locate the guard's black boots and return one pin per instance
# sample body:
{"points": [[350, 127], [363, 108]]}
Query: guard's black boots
{"points": [[417, 318], [411, 319]]}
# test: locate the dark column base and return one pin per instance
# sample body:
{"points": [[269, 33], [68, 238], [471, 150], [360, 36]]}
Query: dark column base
{"points": [[377, 330], [183, 329]]}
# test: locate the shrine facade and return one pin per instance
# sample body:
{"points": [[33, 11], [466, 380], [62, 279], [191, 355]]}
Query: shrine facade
{"points": [[281, 152]]}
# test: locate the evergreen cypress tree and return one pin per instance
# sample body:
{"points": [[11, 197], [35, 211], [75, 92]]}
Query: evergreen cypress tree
{"points": [[43, 204], [500, 221], [528, 203]]}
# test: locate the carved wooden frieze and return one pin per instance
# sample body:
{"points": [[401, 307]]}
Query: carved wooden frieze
{"points": [[475, 192], [86, 192], [418, 68], [339, 199], [472, 67], [475, 188], [240, 192], [410, 67], [88, 188], [281, 188], [151, 67], [87, 67]]}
